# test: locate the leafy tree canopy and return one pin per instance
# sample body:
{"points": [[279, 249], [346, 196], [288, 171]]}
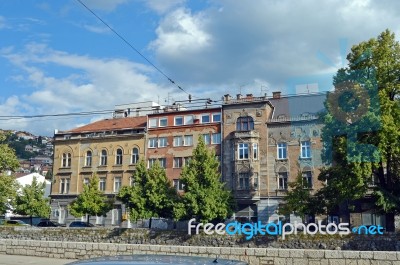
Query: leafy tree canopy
{"points": [[151, 194], [31, 201], [92, 201], [361, 135], [205, 196]]}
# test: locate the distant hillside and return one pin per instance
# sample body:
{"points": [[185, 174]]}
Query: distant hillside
{"points": [[27, 145]]}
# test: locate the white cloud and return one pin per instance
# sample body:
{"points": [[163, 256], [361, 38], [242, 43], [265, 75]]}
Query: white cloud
{"points": [[91, 84], [97, 29], [236, 42], [182, 32], [162, 6]]}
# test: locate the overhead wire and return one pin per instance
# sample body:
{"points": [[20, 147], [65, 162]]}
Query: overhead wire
{"points": [[132, 47]]}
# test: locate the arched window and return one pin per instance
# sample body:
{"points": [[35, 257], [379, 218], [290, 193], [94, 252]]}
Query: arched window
{"points": [[135, 155], [245, 124], [88, 159], [66, 160], [118, 157], [103, 158]]}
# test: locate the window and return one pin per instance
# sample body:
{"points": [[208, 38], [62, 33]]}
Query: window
{"points": [[88, 159], [117, 184], [307, 179], [178, 141], [255, 181], [282, 150], [162, 142], [187, 160], [103, 158], [282, 180], [216, 138], [178, 120], [152, 161], [178, 162], [205, 118], [135, 155], [188, 141], [153, 143], [153, 122], [207, 138], [188, 119], [163, 162], [132, 181], [64, 186], [118, 158], [305, 149], [178, 185], [244, 183], [216, 117], [86, 181], [255, 151], [245, 124], [66, 160], [163, 122], [102, 184], [243, 151]]}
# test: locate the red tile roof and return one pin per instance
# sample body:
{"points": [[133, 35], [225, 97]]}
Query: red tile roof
{"points": [[112, 124]]}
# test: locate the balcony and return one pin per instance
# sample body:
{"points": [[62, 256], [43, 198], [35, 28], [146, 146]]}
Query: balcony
{"points": [[246, 134]]}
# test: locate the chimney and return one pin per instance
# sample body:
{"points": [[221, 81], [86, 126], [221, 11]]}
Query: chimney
{"points": [[238, 96], [227, 98], [276, 94]]}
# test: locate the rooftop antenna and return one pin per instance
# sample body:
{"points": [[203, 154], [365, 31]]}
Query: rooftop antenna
{"points": [[262, 90], [167, 100], [240, 88]]}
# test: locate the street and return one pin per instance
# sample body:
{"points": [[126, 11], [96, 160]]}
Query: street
{"points": [[27, 260]]}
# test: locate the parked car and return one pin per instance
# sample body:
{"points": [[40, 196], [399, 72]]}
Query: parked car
{"points": [[157, 260], [80, 224], [47, 223], [15, 223]]}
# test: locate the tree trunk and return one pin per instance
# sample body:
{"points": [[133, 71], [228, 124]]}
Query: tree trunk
{"points": [[87, 219], [390, 222]]}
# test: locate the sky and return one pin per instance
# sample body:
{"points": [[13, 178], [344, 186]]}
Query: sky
{"points": [[56, 57]]}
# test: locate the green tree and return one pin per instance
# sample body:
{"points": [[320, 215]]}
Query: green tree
{"points": [[361, 134], [8, 193], [31, 201], [151, 195], [8, 184], [91, 202], [298, 199], [205, 196], [8, 159]]}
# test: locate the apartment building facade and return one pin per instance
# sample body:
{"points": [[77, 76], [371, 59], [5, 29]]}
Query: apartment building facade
{"points": [[294, 144], [110, 149], [173, 134], [266, 143], [262, 144], [245, 148]]}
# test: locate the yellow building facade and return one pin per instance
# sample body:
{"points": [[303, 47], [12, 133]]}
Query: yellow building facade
{"points": [[109, 149]]}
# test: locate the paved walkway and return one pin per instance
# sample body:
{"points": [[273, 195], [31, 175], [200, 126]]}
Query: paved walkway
{"points": [[27, 260]]}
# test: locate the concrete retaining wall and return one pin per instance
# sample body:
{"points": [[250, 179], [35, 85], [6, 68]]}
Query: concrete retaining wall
{"points": [[254, 256]]}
